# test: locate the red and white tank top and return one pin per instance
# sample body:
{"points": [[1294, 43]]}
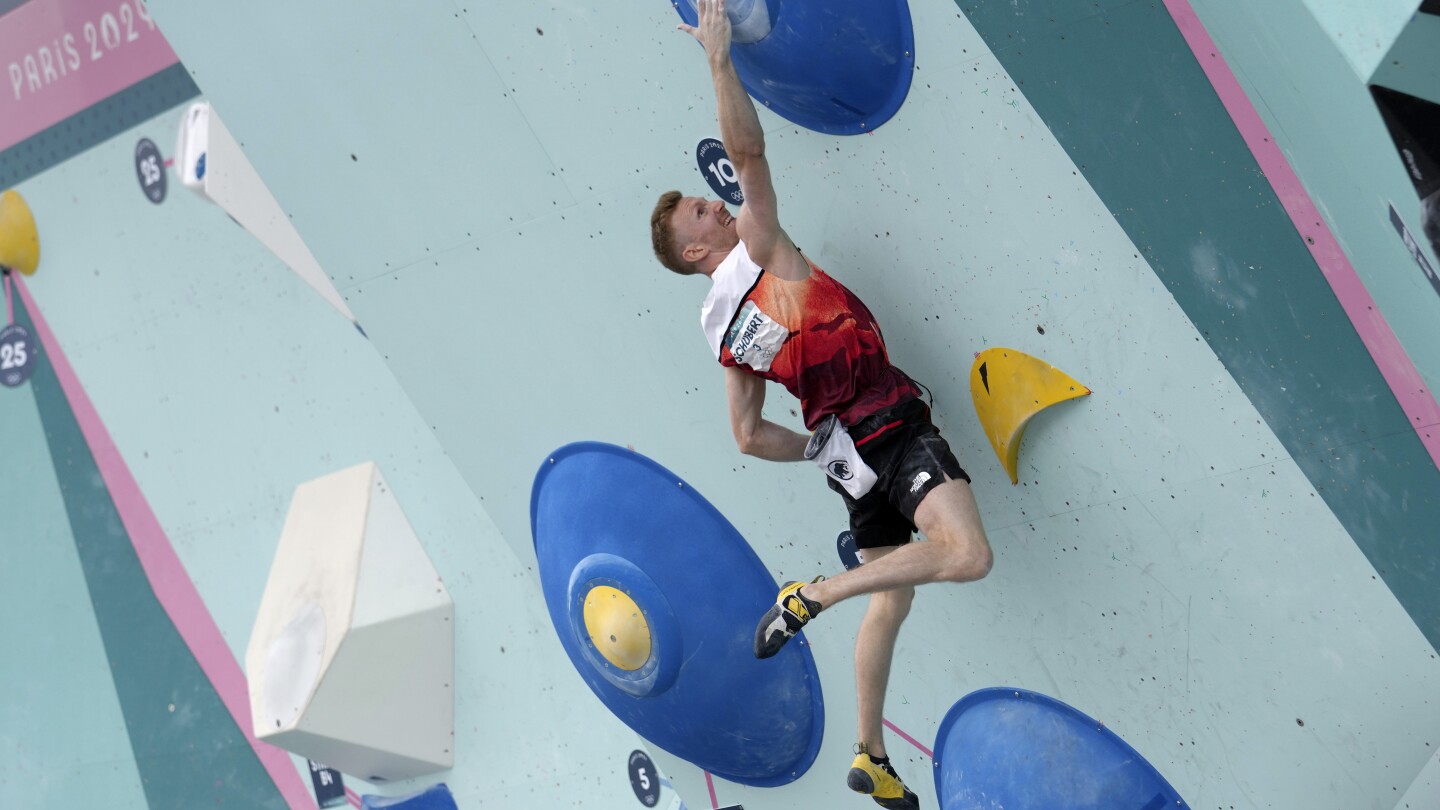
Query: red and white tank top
{"points": [[814, 337]]}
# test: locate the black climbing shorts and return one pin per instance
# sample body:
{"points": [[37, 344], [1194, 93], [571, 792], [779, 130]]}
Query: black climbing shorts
{"points": [[909, 458]]}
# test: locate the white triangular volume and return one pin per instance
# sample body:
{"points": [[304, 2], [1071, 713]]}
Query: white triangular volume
{"points": [[190, 147], [352, 656], [213, 164]]}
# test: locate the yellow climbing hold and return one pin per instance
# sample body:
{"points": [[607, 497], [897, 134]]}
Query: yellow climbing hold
{"points": [[617, 627], [19, 241], [1009, 387]]}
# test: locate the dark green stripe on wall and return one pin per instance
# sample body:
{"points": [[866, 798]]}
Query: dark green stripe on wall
{"points": [[1121, 91], [96, 124], [188, 750]]}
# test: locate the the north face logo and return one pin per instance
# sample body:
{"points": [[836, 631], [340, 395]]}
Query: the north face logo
{"points": [[919, 481], [839, 469]]}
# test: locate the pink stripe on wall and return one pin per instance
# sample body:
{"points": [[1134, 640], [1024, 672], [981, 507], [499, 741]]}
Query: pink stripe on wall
{"points": [[58, 57], [710, 783], [907, 738], [163, 568], [1405, 382]]}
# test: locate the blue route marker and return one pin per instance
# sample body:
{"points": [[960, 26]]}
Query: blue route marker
{"points": [[150, 170], [18, 353], [849, 553], [718, 171]]}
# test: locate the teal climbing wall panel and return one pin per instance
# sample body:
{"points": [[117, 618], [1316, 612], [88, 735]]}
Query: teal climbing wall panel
{"points": [[186, 746], [475, 180], [1144, 126]]}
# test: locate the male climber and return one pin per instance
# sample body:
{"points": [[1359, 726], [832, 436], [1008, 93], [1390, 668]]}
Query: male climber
{"points": [[773, 315]]}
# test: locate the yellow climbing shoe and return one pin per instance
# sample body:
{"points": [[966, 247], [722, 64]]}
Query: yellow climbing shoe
{"points": [[879, 780], [784, 619]]}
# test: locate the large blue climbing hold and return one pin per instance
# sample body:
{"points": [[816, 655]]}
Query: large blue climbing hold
{"points": [[436, 797], [841, 67], [655, 596], [1024, 751]]}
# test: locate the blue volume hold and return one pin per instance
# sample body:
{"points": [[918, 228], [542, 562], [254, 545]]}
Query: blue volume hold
{"points": [[608, 518], [437, 797], [841, 67], [1023, 750]]}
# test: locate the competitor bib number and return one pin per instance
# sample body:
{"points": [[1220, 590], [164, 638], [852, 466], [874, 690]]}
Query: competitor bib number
{"points": [[755, 338]]}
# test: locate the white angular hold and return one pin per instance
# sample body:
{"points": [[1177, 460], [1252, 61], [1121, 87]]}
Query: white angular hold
{"points": [[191, 147], [212, 164], [352, 656]]}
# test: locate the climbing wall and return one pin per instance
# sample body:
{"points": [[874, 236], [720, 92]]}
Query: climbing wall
{"points": [[1208, 554], [224, 382]]}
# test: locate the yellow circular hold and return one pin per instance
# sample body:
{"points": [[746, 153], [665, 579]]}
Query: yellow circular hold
{"points": [[617, 627], [19, 241]]}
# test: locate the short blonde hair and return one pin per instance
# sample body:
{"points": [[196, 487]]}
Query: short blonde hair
{"points": [[662, 235]]}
